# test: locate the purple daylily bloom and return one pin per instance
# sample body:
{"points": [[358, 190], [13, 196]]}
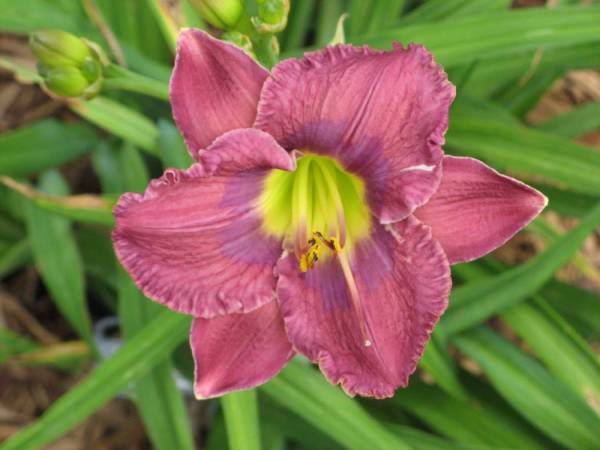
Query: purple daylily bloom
{"points": [[320, 218]]}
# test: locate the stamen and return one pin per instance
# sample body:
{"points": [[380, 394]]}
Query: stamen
{"points": [[308, 259], [311, 256], [355, 297]]}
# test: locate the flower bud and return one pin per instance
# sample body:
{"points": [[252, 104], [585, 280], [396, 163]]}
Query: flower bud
{"points": [[91, 69], [223, 14], [239, 39], [55, 48], [272, 15], [70, 81], [66, 81]]}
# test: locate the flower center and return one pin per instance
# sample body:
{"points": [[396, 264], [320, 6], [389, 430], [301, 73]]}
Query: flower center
{"points": [[318, 210]]}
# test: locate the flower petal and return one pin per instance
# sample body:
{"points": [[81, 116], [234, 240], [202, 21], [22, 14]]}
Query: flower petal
{"points": [[403, 280], [476, 209], [382, 114], [214, 88], [193, 241], [238, 351]]}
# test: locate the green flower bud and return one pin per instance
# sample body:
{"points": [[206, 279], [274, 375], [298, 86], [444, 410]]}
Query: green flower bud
{"points": [[271, 11], [272, 15], [91, 69], [223, 14], [55, 48], [239, 39], [67, 81]]}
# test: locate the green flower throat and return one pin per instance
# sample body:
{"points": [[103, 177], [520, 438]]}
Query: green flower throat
{"points": [[318, 206]]}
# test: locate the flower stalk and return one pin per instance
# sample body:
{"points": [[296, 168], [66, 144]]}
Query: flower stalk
{"points": [[120, 78]]}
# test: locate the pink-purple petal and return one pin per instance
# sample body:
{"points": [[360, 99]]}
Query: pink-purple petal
{"points": [[214, 88], [382, 114], [403, 281], [476, 209], [238, 351], [194, 241]]}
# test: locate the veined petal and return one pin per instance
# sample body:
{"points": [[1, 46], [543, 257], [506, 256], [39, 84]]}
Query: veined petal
{"points": [[401, 279], [238, 351], [214, 88], [476, 209], [193, 241], [383, 115]]}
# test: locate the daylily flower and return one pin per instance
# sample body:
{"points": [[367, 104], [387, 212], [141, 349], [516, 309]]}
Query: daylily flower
{"points": [[320, 218]]}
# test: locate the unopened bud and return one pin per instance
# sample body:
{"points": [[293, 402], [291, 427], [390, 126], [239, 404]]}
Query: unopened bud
{"points": [[91, 69], [66, 81], [239, 39], [272, 15], [223, 14], [55, 48]]}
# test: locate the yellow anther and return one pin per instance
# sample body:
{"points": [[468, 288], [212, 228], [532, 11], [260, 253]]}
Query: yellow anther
{"points": [[308, 259]]}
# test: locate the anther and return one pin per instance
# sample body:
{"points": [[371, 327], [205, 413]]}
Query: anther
{"points": [[308, 259]]}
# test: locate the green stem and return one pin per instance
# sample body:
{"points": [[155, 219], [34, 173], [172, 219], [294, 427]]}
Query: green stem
{"points": [[117, 77], [241, 420], [165, 23]]}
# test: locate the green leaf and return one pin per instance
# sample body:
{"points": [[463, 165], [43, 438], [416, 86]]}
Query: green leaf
{"points": [[84, 208], [173, 152], [526, 152], [530, 389], [165, 23], [477, 423], [14, 256], [521, 97], [358, 19], [159, 400], [135, 359], [57, 257], [446, 10], [105, 160], [43, 145], [240, 410], [299, 22], [559, 348], [466, 107], [491, 76], [383, 14], [422, 440], [133, 171], [575, 304], [498, 33], [97, 253], [574, 123], [13, 344], [293, 426], [475, 302], [306, 393], [329, 13], [119, 120], [24, 16], [438, 364], [566, 354]]}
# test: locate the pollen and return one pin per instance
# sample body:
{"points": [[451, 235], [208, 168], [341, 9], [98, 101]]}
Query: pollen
{"points": [[308, 259]]}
